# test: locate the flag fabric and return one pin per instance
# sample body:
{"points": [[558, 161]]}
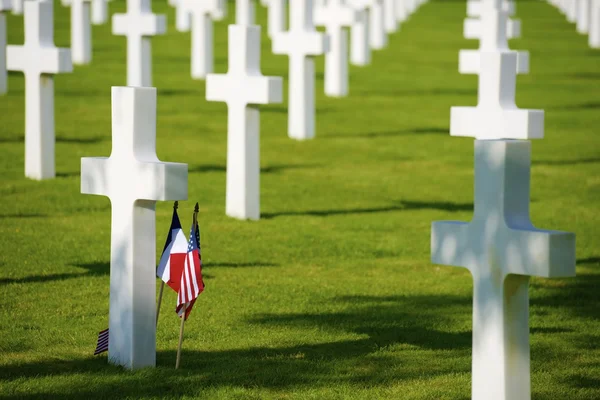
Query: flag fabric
{"points": [[191, 284], [173, 256], [102, 345]]}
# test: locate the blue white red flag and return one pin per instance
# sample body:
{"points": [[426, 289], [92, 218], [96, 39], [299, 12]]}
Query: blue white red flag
{"points": [[191, 284], [174, 253], [102, 344]]}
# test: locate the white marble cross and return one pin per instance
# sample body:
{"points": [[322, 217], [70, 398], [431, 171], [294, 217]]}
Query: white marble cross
{"points": [[377, 34], [139, 24], [401, 11], [571, 10], [360, 48], [276, 16], [17, 7], [493, 38], [202, 14], [242, 88], [5, 5], [134, 179], [502, 249], [390, 21], [583, 16], [245, 12], [473, 27], [336, 16], [99, 12], [183, 18], [39, 60], [81, 32], [302, 43], [594, 34]]}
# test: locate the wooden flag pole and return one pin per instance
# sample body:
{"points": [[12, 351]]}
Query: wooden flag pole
{"points": [[162, 283], [180, 337], [195, 223]]}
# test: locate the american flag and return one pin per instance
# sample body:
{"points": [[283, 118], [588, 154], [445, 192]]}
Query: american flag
{"points": [[102, 345], [191, 279]]}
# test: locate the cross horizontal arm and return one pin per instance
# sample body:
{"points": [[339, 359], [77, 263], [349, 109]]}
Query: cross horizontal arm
{"points": [[449, 240], [44, 60], [145, 24], [250, 90], [145, 181], [470, 62]]}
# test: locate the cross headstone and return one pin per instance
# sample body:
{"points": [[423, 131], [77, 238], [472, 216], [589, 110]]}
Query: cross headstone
{"points": [[134, 179], [401, 12], [302, 43], [492, 37], [377, 34], [473, 26], [183, 19], [501, 249], [500, 246], [17, 7], [39, 60], [242, 88], [245, 12], [139, 24], [390, 21], [594, 34], [99, 12], [5, 5], [81, 32], [276, 16], [360, 49], [202, 14], [337, 16]]}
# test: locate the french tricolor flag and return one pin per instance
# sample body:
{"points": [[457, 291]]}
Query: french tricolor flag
{"points": [[174, 255]]}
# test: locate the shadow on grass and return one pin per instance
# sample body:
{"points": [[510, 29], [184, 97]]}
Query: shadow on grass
{"points": [[359, 361], [209, 264], [23, 215], [413, 131], [579, 106], [271, 169], [93, 269], [82, 140], [579, 295], [593, 160], [403, 205]]}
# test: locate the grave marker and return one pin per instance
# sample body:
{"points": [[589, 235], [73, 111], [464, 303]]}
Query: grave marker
{"points": [[390, 21], [276, 16], [594, 34], [360, 49], [139, 24], [134, 179], [301, 43], [81, 32], [242, 88], [5, 5], [337, 17], [202, 14], [39, 60], [99, 12], [17, 7]]}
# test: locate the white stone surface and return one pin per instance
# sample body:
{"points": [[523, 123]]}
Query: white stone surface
{"points": [[583, 16], [571, 11], [594, 34], [390, 21], [134, 179], [99, 12], [473, 28], [81, 32], [400, 10], [502, 249], [301, 43], [360, 48], [276, 16], [39, 60], [377, 35], [183, 19], [244, 12], [139, 24], [492, 37], [242, 88], [202, 14], [5, 5], [336, 16], [17, 7]]}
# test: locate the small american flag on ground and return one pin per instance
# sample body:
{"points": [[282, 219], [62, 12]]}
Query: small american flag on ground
{"points": [[102, 345], [191, 278]]}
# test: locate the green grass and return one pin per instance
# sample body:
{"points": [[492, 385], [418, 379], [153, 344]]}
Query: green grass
{"points": [[331, 294]]}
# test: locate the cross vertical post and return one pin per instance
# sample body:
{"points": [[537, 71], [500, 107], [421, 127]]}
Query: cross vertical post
{"points": [[81, 32], [134, 179], [99, 12], [5, 5], [39, 60], [242, 88], [139, 24]]}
